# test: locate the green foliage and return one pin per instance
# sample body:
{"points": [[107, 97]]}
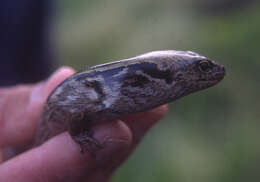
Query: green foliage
{"points": [[209, 136]]}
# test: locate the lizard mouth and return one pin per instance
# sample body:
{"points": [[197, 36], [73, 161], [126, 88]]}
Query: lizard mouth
{"points": [[215, 76], [220, 73]]}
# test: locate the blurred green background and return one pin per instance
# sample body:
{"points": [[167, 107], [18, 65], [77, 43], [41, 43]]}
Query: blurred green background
{"points": [[208, 136]]}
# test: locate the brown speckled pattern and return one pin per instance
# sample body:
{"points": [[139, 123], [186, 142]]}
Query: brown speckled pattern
{"points": [[108, 91]]}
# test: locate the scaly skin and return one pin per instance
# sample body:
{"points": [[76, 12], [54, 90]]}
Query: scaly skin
{"points": [[108, 91]]}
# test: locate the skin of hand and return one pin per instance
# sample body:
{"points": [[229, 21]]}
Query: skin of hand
{"points": [[59, 159]]}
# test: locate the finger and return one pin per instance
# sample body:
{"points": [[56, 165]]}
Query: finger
{"points": [[138, 124], [141, 122], [59, 159], [41, 93], [20, 108]]}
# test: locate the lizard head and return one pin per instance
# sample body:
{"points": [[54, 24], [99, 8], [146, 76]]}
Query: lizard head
{"points": [[197, 72], [184, 72]]}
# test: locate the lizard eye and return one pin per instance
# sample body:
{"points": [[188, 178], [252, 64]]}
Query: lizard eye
{"points": [[204, 66]]}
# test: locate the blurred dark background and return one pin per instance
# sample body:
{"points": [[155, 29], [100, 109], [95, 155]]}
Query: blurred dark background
{"points": [[25, 46], [208, 136]]}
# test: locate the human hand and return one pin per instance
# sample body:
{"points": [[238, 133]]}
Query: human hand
{"points": [[59, 159]]}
